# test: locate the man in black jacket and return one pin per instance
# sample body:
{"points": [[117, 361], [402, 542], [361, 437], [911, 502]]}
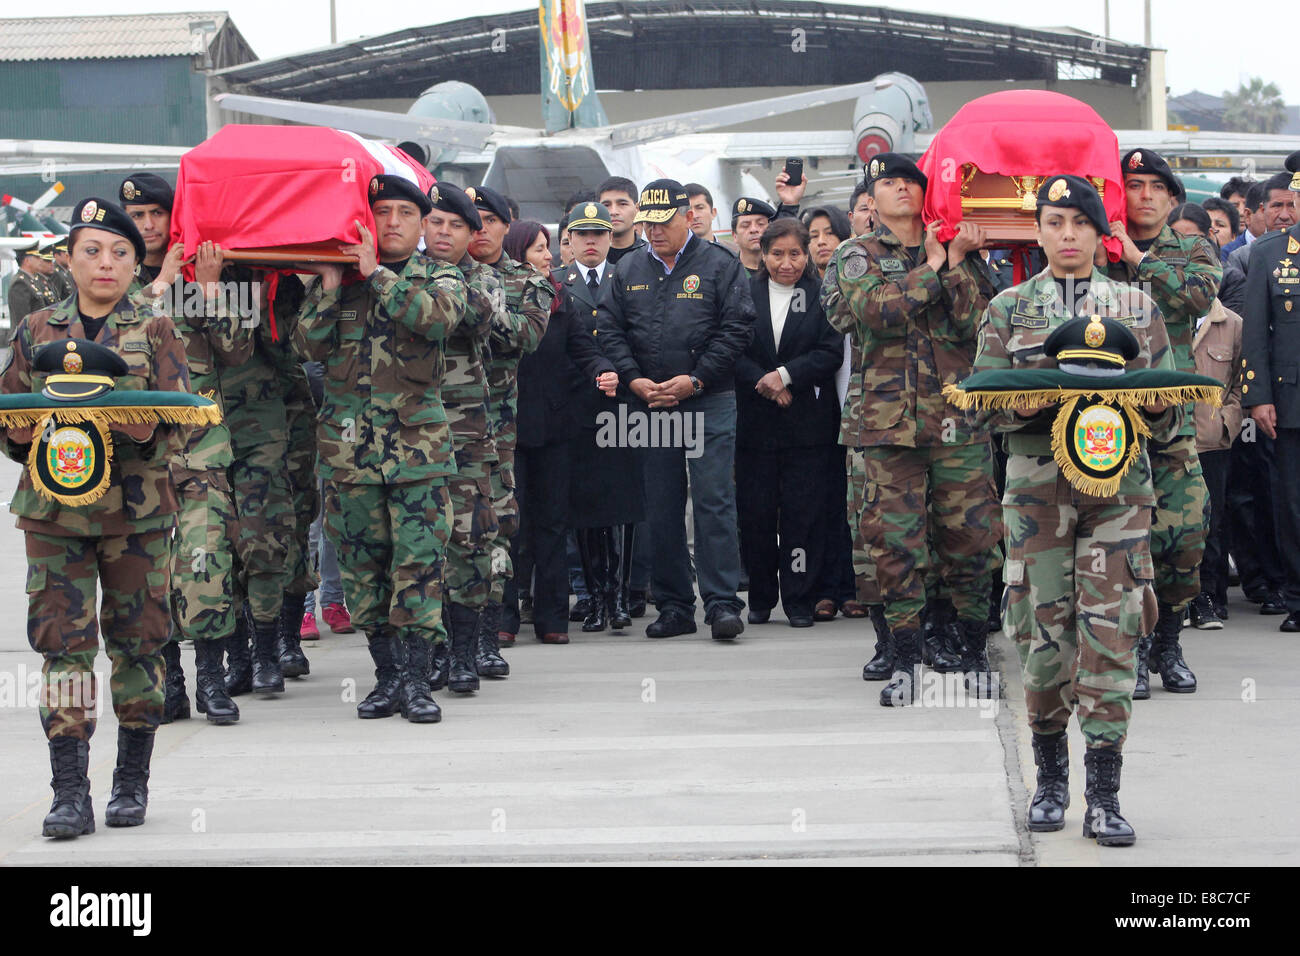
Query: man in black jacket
{"points": [[674, 321]]}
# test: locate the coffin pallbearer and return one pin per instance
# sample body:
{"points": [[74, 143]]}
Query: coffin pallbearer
{"points": [[385, 446], [1181, 273], [912, 307], [119, 540], [518, 329]]}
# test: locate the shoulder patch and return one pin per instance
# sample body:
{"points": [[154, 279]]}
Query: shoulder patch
{"points": [[855, 264]]}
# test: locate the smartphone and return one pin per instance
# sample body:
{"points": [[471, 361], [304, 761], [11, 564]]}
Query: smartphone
{"points": [[794, 170]]}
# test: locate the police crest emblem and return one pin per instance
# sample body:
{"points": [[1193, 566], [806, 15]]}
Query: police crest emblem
{"points": [[129, 191], [691, 284], [70, 462]]}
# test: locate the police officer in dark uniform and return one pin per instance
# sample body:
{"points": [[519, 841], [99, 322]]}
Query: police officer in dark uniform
{"points": [[749, 219], [61, 277], [30, 289], [1270, 387]]}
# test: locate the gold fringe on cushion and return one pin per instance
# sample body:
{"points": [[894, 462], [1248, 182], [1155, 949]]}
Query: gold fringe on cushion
{"points": [[1177, 395], [1089, 484], [115, 415], [86, 498]]}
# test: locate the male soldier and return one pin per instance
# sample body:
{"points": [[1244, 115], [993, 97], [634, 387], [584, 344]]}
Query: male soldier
{"points": [[749, 220], [147, 199], [1078, 568], [62, 276], [1270, 346], [30, 289], [119, 542], [385, 448], [516, 330], [1182, 274], [205, 606], [913, 307], [467, 574]]}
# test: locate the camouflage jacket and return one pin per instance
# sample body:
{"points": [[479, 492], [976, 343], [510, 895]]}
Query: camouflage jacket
{"points": [[140, 496], [382, 343], [464, 384], [1182, 274], [212, 340], [1011, 335], [914, 330], [516, 331]]}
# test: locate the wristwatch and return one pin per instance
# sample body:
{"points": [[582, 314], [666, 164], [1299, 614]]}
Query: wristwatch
{"points": [[696, 384]]}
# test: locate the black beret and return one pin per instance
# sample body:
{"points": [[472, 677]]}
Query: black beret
{"points": [[1152, 163], [141, 189], [1074, 192], [73, 365], [102, 214], [894, 166], [746, 206], [451, 198], [395, 187], [1293, 167], [489, 200], [1095, 343]]}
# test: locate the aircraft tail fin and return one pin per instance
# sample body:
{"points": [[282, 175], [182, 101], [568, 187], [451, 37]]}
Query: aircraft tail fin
{"points": [[568, 83]]}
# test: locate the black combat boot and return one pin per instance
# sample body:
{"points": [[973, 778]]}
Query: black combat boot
{"points": [[239, 675], [488, 661], [130, 795], [71, 814], [210, 694], [416, 698], [1167, 653], [621, 614], [937, 638], [386, 652], [1142, 689], [592, 548], [293, 662], [882, 665], [995, 605], [901, 689], [441, 659], [1052, 798], [176, 703], [975, 659], [267, 676], [1102, 819], [462, 629]]}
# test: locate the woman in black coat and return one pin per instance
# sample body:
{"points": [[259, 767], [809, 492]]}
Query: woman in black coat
{"points": [[787, 426]]}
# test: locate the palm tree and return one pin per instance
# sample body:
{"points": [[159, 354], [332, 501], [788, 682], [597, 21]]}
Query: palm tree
{"points": [[1256, 107]]}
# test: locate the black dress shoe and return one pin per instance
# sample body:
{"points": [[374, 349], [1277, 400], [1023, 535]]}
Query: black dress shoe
{"points": [[580, 610], [1292, 623], [670, 624], [1273, 604], [637, 603], [726, 624], [755, 616], [800, 620]]}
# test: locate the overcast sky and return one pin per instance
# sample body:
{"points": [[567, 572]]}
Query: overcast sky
{"points": [[1192, 32]]}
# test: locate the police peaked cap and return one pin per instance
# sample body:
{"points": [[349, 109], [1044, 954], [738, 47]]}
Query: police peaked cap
{"points": [[78, 369], [1074, 192], [451, 198], [1093, 343], [97, 213], [1293, 167], [894, 166], [489, 200], [589, 216], [384, 187], [141, 189]]}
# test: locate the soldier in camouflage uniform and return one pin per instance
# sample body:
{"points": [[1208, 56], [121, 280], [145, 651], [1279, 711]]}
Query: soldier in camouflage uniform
{"points": [[1181, 273], [204, 603], [1078, 568], [467, 575], [516, 331], [385, 447], [928, 478], [119, 541]]}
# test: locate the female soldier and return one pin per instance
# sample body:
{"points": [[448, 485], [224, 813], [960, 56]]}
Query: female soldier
{"points": [[1078, 568], [119, 541]]}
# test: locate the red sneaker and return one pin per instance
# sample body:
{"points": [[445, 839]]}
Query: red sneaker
{"points": [[310, 632], [337, 617]]}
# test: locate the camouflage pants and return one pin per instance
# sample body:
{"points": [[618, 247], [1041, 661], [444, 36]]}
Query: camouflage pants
{"points": [[62, 625], [1078, 597], [391, 541], [915, 499], [467, 578], [259, 481], [1178, 530], [864, 573], [300, 467], [203, 556], [506, 507]]}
